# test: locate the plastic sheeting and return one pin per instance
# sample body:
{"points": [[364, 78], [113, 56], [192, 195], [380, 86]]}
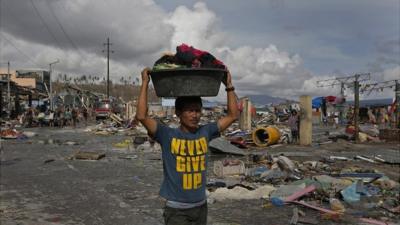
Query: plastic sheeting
{"points": [[317, 102]]}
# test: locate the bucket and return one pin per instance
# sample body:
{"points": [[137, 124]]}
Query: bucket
{"points": [[204, 82]]}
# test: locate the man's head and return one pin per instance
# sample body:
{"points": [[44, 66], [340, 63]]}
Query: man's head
{"points": [[188, 109]]}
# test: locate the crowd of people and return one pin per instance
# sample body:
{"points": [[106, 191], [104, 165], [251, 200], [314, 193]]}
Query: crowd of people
{"points": [[380, 116], [60, 117]]}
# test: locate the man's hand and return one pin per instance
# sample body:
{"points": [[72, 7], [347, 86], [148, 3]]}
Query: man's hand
{"points": [[146, 75]]}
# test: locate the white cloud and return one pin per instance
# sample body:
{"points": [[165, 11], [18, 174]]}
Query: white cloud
{"points": [[255, 70], [135, 28], [197, 27], [310, 87], [265, 70], [391, 74], [71, 62]]}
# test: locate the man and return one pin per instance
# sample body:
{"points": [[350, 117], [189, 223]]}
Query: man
{"points": [[51, 118], [85, 114], [74, 114], [184, 153], [293, 123], [29, 116]]}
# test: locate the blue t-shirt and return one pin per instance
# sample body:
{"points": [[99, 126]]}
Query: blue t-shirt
{"points": [[184, 161]]}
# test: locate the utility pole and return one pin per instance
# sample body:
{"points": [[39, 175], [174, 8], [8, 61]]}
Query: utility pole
{"points": [[51, 86], [108, 65], [8, 88], [341, 111], [350, 80]]}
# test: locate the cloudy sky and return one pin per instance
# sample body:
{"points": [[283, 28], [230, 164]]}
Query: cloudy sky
{"points": [[275, 47]]}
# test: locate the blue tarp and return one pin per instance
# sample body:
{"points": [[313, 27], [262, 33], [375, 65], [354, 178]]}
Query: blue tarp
{"points": [[317, 102]]}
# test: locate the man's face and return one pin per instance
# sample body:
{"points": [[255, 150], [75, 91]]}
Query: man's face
{"points": [[190, 116]]}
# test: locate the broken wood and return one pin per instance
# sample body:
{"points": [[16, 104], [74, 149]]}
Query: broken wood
{"points": [[316, 207], [116, 118], [299, 194], [371, 221], [364, 158], [49, 160], [295, 217], [87, 155]]}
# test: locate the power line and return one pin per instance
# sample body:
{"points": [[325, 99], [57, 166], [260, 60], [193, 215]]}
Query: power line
{"points": [[379, 86], [20, 51], [352, 81], [62, 7], [349, 80], [63, 30], [45, 25]]}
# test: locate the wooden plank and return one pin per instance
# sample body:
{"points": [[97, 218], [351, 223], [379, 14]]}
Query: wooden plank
{"points": [[87, 155], [298, 194]]}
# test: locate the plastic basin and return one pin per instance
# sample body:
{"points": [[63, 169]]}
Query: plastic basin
{"points": [[187, 82]]}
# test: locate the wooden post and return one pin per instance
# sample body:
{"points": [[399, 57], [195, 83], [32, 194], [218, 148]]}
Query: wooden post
{"points": [[305, 120], [17, 105], [397, 112], [245, 115], [1, 101], [30, 100], [356, 108]]}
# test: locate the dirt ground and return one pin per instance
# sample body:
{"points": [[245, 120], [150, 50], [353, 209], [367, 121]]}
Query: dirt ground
{"points": [[38, 185]]}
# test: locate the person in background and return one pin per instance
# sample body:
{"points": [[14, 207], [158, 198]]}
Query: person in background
{"points": [[184, 153], [74, 114], [40, 118], [293, 123], [85, 115], [51, 118], [61, 117], [371, 116], [29, 117], [67, 117]]}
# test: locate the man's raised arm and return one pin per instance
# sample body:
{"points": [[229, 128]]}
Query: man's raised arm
{"points": [[233, 111], [141, 110]]}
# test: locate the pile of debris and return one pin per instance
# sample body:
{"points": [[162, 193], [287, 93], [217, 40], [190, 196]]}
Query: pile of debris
{"points": [[342, 195]]}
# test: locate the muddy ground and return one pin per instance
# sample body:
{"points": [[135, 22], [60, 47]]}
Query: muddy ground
{"points": [[38, 185]]}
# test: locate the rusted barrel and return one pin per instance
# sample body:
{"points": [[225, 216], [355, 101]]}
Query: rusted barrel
{"points": [[264, 136]]}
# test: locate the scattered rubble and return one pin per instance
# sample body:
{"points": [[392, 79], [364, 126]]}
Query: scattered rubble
{"points": [[250, 165]]}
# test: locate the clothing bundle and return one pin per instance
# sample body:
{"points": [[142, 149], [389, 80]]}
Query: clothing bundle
{"points": [[188, 57]]}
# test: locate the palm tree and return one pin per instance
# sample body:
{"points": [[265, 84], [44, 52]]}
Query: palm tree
{"points": [[84, 78]]}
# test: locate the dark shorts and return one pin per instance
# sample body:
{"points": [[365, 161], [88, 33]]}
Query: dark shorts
{"points": [[192, 216], [295, 134]]}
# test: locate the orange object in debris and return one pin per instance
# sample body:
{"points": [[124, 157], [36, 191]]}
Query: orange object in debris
{"points": [[9, 133], [350, 130], [266, 136]]}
